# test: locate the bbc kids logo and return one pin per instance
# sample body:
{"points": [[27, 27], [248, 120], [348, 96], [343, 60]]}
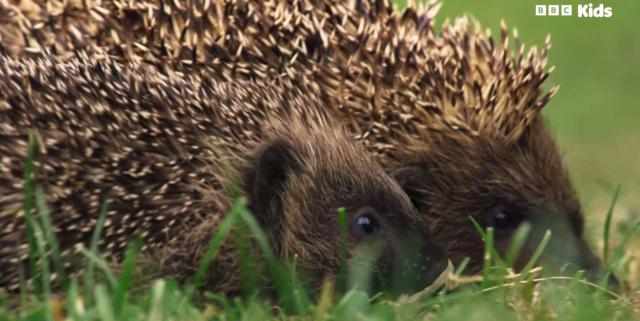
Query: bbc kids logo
{"points": [[581, 10]]}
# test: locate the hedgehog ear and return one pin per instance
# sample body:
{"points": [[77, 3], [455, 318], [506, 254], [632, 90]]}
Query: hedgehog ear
{"points": [[414, 181], [275, 162]]}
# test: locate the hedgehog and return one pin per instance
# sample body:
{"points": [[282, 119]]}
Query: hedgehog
{"points": [[167, 151], [454, 112]]}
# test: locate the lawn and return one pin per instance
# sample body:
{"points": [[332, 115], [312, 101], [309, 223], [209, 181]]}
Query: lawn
{"points": [[596, 117]]}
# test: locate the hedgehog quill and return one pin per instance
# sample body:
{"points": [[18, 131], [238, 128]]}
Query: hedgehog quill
{"points": [[164, 150], [456, 113]]}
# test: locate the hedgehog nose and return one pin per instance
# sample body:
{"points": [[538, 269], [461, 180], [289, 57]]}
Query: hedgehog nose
{"points": [[595, 269], [435, 268], [436, 259], [614, 284], [423, 263], [598, 274]]}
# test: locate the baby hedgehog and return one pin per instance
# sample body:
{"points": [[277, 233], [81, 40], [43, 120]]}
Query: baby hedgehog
{"points": [[455, 113], [166, 148]]}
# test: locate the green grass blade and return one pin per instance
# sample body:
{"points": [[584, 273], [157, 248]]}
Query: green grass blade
{"points": [[157, 296], [619, 252], [96, 261], [73, 301], [342, 221], [518, 240], [45, 273], [494, 253], [216, 241], [463, 266], [50, 236], [292, 294], [103, 304], [246, 260], [24, 298], [478, 227], [361, 271], [126, 275], [535, 256], [575, 281], [487, 262], [607, 225], [229, 312], [354, 305], [28, 204], [41, 249], [93, 246]]}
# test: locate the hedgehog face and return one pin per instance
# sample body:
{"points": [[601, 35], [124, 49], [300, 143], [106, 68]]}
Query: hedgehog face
{"points": [[297, 196], [501, 186]]}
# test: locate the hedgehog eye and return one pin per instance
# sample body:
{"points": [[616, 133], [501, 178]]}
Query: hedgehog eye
{"points": [[502, 220], [367, 225]]}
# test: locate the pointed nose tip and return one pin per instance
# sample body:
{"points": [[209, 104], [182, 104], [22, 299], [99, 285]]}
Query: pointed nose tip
{"points": [[438, 262], [600, 276], [596, 270], [614, 284], [422, 262]]}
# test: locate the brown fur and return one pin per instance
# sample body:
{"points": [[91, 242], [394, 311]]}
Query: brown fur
{"points": [[165, 149], [458, 104], [526, 179]]}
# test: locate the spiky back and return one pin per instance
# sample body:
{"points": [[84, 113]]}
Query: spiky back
{"points": [[394, 80], [160, 146]]}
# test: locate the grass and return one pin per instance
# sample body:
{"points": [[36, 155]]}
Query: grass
{"points": [[496, 294]]}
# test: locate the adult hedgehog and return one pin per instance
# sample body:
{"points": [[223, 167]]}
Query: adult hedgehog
{"points": [[455, 112], [165, 149]]}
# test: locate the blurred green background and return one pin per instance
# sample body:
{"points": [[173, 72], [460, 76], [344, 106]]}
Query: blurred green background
{"points": [[596, 113]]}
